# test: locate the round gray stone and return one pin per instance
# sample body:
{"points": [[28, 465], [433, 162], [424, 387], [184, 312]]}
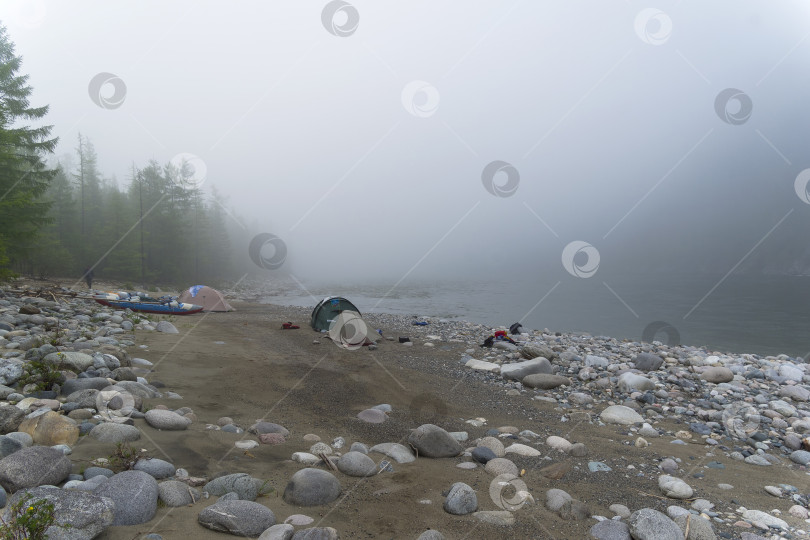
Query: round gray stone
{"points": [[260, 428], [175, 493], [545, 381], [699, 528], [111, 432], [166, 420], [243, 484], [482, 454], [33, 466], [312, 487], [282, 531], [156, 468], [316, 533], [434, 442], [240, 518], [619, 414], [135, 495], [802, 457], [461, 500], [649, 524], [356, 464], [610, 530]]}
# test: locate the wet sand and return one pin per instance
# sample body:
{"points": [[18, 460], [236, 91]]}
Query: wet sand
{"points": [[263, 372]]}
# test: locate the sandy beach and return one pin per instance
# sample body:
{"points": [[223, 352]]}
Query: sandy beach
{"points": [[262, 372], [242, 365]]}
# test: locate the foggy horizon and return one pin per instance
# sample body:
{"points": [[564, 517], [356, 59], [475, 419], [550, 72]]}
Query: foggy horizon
{"points": [[365, 145]]}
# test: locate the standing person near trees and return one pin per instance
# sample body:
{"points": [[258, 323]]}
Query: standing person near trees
{"points": [[88, 277]]}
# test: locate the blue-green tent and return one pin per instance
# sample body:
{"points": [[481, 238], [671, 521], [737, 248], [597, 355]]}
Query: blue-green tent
{"points": [[327, 309]]}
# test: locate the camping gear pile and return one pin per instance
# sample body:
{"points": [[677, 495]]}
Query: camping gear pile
{"points": [[193, 300]]}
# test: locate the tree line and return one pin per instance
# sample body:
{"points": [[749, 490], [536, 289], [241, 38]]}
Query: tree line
{"points": [[60, 220]]}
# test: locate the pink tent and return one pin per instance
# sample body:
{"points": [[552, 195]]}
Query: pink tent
{"points": [[202, 295]]}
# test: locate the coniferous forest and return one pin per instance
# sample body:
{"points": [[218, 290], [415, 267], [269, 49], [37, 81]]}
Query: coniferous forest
{"points": [[58, 219]]}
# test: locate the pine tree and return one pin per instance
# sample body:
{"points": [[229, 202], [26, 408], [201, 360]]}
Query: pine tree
{"points": [[24, 177]]}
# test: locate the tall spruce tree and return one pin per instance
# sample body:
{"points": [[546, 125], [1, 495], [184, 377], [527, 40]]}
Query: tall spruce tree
{"points": [[24, 178]]}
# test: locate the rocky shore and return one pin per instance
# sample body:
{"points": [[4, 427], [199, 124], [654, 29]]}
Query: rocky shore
{"points": [[136, 426]]}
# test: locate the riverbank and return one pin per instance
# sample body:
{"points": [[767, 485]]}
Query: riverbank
{"points": [[242, 367]]}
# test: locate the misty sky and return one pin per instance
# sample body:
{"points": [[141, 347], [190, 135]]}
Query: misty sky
{"points": [[367, 149]]}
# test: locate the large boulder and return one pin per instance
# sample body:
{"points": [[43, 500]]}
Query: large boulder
{"points": [[244, 485], [33, 466], [649, 524], [647, 361], [166, 420], [434, 442], [135, 495], [50, 429], [312, 487], [78, 515], [239, 518], [516, 371], [73, 361], [113, 432]]}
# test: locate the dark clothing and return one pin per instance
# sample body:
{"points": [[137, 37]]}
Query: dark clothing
{"points": [[88, 277]]}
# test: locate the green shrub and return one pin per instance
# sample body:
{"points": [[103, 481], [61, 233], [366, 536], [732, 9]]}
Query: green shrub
{"points": [[29, 520], [41, 374], [125, 457]]}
